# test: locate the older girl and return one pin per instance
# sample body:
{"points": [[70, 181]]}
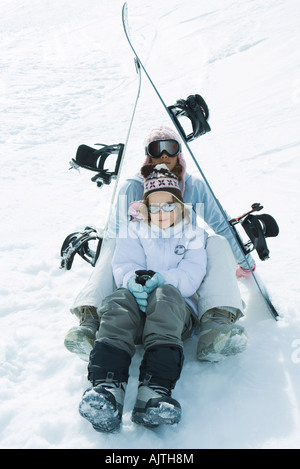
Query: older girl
{"points": [[220, 304]]}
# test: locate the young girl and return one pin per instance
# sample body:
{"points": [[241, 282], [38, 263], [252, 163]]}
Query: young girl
{"points": [[157, 268]]}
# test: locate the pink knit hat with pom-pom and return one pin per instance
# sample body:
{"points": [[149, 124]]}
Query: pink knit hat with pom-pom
{"points": [[163, 133]]}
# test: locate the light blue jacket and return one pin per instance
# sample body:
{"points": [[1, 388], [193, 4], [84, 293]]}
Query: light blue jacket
{"points": [[177, 253], [195, 193]]}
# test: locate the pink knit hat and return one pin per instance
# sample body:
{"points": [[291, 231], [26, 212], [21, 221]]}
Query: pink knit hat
{"points": [[163, 133]]}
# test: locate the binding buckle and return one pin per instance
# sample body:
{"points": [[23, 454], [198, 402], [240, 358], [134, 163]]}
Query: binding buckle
{"points": [[258, 228], [94, 160], [196, 109], [78, 243]]}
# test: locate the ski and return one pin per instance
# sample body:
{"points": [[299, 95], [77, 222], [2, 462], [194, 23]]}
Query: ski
{"points": [[180, 109], [94, 160]]}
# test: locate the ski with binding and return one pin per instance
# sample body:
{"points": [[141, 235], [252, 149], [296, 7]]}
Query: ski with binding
{"points": [[172, 114], [94, 160]]}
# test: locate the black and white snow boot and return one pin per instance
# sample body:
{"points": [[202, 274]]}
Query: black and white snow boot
{"points": [[80, 339], [102, 405], [160, 369], [155, 406]]}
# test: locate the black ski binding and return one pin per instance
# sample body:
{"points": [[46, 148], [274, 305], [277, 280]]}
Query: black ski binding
{"points": [[78, 243], [94, 160], [196, 109], [258, 228]]}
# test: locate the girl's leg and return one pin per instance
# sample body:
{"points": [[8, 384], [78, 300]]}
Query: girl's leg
{"points": [[220, 305], [108, 368], [166, 317], [219, 288], [121, 321], [80, 339]]}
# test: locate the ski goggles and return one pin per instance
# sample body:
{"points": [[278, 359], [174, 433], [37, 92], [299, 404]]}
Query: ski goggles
{"points": [[156, 148], [154, 209]]}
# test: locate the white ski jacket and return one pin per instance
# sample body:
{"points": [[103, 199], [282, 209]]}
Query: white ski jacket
{"points": [[177, 253], [221, 290], [197, 194]]}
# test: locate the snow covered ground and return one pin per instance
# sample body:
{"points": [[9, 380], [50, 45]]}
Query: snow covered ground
{"points": [[67, 77]]}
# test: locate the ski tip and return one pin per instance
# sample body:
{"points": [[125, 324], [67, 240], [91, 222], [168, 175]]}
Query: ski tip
{"points": [[125, 17]]}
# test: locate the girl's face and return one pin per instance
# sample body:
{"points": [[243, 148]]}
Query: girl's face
{"points": [[170, 161], [163, 219]]}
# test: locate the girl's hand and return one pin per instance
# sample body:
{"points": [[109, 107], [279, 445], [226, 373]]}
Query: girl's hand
{"points": [[154, 282], [139, 292]]}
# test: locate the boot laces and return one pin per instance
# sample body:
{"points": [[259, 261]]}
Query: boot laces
{"points": [[88, 313], [221, 317], [160, 389], [109, 382], [108, 386], [155, 387]]}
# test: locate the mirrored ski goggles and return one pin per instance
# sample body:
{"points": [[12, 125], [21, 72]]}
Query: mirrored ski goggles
{"points": [[156, 148], [165, 207]]}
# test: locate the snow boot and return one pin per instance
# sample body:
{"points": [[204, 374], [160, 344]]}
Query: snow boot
{"points": [[160, 369], [155, 406], [102, 405], [220, 336], [80, 339]]}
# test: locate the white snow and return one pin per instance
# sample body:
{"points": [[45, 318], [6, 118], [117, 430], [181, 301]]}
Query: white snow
{"points": [[67, 77]]}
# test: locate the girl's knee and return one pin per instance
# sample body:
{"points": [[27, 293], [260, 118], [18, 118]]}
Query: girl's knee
{"points": [[169, 291]]}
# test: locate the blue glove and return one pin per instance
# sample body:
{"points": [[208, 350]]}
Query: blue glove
{"points": [[156, 281], [138, 292]]}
